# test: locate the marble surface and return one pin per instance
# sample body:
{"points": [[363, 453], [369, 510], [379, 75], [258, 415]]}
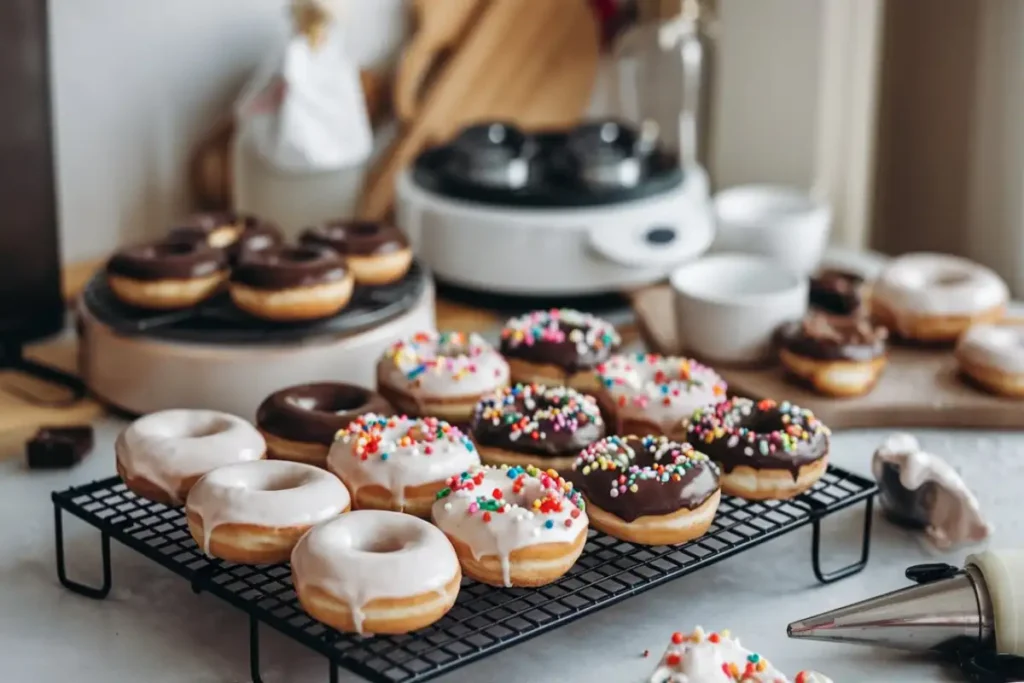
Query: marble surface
{"points": [[153, 628]]}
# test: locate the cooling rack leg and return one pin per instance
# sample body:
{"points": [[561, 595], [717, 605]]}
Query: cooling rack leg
{"points": [[74, 586], [849, 570], [254, 649], [332, 669]]}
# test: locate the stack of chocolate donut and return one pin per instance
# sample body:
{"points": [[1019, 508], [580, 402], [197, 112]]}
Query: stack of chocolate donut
{"points": [[461, 463], [840, 348], [265, 277]]}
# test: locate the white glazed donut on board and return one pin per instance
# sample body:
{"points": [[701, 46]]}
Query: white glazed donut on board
{"points": [[935, 297], [699, 657], [255, 512], [161, 455], [512, 526], [652, 394], [399, 463], [443, 374], [375, 571], [993, 356]]}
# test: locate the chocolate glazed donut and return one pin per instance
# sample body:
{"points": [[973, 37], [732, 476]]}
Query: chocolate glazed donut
{"points": [[835, 355], [837, 291], [233, 232], [166, 275], [300, 423], [291, 283], [377, 253]]}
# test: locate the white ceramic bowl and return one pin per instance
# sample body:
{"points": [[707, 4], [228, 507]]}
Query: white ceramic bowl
{"points": [[728, 306], [783, 223]]}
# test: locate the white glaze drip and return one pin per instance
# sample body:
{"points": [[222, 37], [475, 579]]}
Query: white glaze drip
{"points": [[435, 364]]}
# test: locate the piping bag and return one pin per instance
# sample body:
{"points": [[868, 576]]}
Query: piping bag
{"points": [[973, 615]]}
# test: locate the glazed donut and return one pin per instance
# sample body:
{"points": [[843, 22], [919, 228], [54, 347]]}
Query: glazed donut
{"points": [[166, 276], [838, 292], [993, 356], [232, 232], [651, 394], [512, 526], [161, 456], [699, 657], [556, 347], [399, 463], [300, 423], [375, 571], [836, 355], [767, 450], [255, 512], [377, 253], [936, 297], [441, 374], [290, 284], [534, 425], [648, 490]]}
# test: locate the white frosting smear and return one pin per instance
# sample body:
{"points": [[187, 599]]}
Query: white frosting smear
{"points": [[171, 446], [397, 453], [939, 284], [369, 554], [996, 346], [443, 364], [267, 493]]}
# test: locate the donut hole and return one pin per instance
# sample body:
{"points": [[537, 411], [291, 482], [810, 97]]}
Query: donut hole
{"points": [[765, 422], [179, 248], [284, 482], [383, 545], [336, 402], [363, 229], [950, 279], [301, 254], [205, 429]]}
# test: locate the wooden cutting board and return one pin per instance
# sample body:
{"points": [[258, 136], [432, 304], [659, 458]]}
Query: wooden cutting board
{"points": [[523, 61], [920, 388]]}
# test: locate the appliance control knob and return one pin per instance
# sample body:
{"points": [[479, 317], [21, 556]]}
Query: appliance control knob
{"points": [[660, 235]]}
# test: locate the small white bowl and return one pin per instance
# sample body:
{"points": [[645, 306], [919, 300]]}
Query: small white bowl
{"points": [[783, 223], [728, 306]]}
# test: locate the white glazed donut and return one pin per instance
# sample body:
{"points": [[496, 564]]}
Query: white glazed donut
{"points": [[255, 512], [993, 355], [441, 374], [512, 526], [935, 297], [652, 394], [375, 571], [699, 657], [399, 463], [161, 455]]}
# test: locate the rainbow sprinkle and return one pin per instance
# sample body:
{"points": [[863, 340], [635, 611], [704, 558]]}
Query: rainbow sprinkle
{"points": [[586, 332], [556, 493], [726, 420], [662, 378], [615, 454], [453, 353], [529, 410], [369, 435]]}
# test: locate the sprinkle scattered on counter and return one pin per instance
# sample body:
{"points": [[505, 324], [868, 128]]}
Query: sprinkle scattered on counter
{"points": [[376, 435]]}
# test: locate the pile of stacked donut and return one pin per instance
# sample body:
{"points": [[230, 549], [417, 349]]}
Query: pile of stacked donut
{"points": [[469, 460], [840, 348], [266, 278]]}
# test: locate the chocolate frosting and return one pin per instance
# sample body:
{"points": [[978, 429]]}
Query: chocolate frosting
{"points": [[253, 234], [565, 338], [830, 337], [277, 268], [632, 476], [837, 291], [527, 418], [167, 261], [356, 238], [765, 435], [314, 413]]}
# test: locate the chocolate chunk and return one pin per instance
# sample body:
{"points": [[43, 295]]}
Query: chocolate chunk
{"points": [[57, 447]]}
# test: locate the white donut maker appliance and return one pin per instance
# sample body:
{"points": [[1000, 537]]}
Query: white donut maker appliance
{"points": [[215, 357], [596, 209]]}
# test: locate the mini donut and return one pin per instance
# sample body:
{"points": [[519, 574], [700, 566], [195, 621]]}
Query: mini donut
{"points": [[166, 276], [255, 512], [377, 253], [441, 374], [535, 425], [767, 450], [162, 455], [838, 292], [560, 346], [993, 356], [700, 657], [648, 490], [399, 463], [232, 232], [652, 394], [936, 297], [375, 571], [291, 284], [512, 526], [837, 356], [300, 423]]}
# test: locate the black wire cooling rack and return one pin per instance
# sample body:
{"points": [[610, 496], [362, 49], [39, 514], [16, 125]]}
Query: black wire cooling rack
{"points": [[484, 619]]}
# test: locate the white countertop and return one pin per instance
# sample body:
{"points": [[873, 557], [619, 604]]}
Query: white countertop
{"points": [[153, 628]]}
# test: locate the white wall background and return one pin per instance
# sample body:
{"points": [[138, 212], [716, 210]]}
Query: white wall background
{"points": [[138, 82]]}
